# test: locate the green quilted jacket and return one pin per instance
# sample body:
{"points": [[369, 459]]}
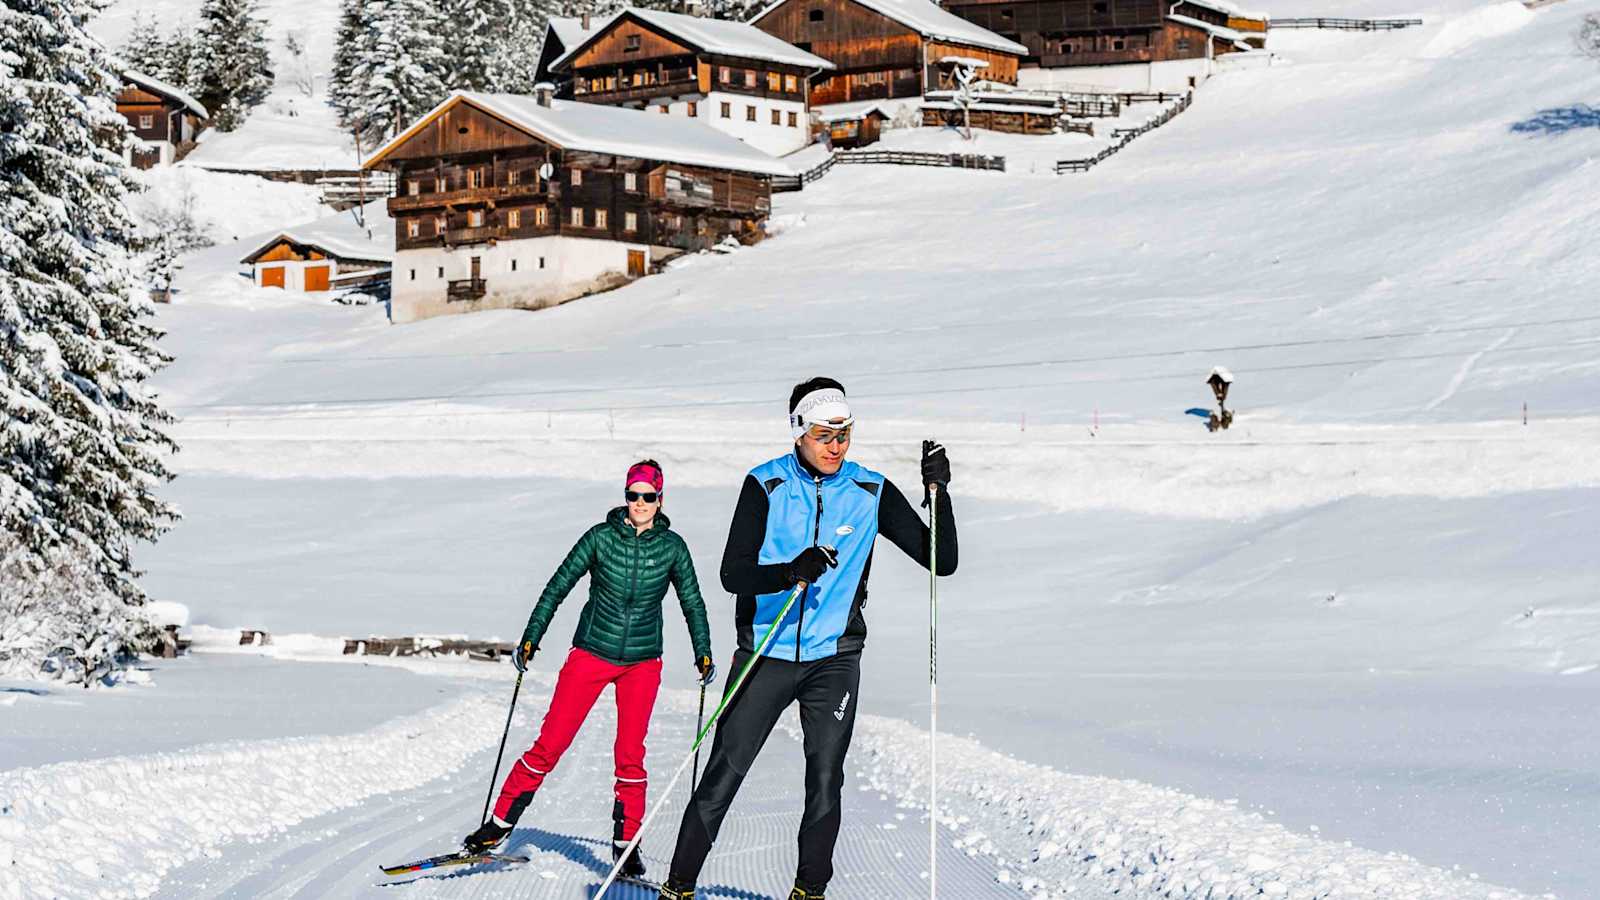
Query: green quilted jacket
{"points": [[628, 577]]}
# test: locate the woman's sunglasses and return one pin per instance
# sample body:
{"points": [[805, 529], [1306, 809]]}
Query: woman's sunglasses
{"points": [[646, 496]]}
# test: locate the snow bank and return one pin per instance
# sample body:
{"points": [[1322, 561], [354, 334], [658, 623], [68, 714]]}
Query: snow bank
{"points": [[229, 206], [113, 827], [1059, 835], [1477, 25]]}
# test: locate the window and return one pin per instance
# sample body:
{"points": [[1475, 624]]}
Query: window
{"points": [[727, 110], [749, 113], [1183, 45], [147, 121], [1005, 14], [474, 218], [750, 78], [541, 216], [663, 109], [439, 225], [413, 228], [474, 179], [413, 187], [577, 217], [413, 274], [693, 109], [440, 185], [726, 75], [541, 262], [794, 120], [630, 181], [815, 15], [576, 177], [630, 221], [514, 218], [513, 176], [791, 83], [513, 265], [774, 82], [777, 117], [631, 44], [1101, 6], [599, 218], [638, 79], [441, 271]]}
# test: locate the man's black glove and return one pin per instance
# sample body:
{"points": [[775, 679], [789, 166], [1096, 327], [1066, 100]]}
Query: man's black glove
{"points": [[707, 670], [811, 563], [523, 655], [935, 468]]}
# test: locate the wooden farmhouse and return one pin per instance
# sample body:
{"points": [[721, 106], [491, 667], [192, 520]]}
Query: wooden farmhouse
{"points": [[886, 48], [165, 121], [338, 253], [734, 77], [1117, 45], [512, 201], [562, 34]]}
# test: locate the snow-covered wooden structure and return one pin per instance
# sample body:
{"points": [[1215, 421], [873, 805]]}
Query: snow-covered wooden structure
{"points": [[1118, 45], [512, 201], [165, 121], [1011, 111], [729, 75], [338, 253], [885, 48], [850, 125]]}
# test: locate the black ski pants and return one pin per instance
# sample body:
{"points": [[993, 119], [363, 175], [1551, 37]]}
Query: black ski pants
{"points": [[826, 691]]}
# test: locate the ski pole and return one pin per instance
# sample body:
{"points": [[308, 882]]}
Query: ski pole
{"points": [[699, 723], [499, 754], [933, 690], [727, 697]]}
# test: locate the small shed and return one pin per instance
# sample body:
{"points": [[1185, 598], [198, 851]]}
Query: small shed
{"points": [[1010, 111], [851, 125], [335, 254]]}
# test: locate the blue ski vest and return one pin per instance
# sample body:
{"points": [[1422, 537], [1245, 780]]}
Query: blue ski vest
{"points": [[840, 510]]}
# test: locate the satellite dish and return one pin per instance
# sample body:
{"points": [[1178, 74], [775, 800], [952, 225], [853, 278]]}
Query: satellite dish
{"points": [[546, 170]]}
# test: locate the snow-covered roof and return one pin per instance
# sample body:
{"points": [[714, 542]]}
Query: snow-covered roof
{"points": [[719, 36], [929, 20], [609, 129], [1037, 99], [1227, 8], [570, 31], [968, 61], [1229, 34], [844, 112], [157, 86], [990, 106], [340, 236]]}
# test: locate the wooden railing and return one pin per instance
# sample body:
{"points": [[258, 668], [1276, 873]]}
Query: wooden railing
{"points": [[1091, 108], [466, 289], [466, 195], [1122, 137], [1345, 24], [345, 191], [781, 183]]}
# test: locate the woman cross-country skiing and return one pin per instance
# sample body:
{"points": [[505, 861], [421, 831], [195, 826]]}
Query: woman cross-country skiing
{"points": [[630, 558]]}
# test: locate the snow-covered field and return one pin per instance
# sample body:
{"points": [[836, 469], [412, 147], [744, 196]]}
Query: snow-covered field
{"points": [[1348, 649]]}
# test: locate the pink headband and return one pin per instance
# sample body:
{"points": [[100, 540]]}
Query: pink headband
{"points": [[646, 473]]}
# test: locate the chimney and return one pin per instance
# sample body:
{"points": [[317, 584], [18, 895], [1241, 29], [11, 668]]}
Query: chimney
{"points": [[586, 20], [542, 92]]}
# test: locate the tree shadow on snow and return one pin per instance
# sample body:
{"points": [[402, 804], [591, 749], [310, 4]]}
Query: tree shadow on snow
{"points": [[594, 854], [1560, 120]]}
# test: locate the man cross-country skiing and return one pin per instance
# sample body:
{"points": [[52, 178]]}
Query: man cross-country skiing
{"points": [[807, 516]]}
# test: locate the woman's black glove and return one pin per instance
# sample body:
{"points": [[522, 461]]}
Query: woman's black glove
{"points": [[935, 468], [707, 670], [523, 655], [811, 563]]}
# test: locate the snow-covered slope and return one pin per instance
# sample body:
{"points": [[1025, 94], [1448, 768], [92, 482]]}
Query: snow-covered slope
{"points": [[1350, 612]]}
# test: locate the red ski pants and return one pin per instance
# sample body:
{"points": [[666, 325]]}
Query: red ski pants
{"points": [[578, 686]]}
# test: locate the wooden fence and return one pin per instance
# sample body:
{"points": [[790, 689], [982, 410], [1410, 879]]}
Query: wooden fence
{"points": [[344, 191], [485, 651], [782, 183], [1345, 24], [1122, 137]]}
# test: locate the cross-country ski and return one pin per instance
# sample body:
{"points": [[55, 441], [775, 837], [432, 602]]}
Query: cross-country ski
{"points": [[799, 450]]}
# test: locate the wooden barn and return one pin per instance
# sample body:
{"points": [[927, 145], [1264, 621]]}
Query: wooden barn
{"points": [[734, 77], [164, 120], [847, 126], [1117, 45], [512, 201], [885, 48], [347, 251]]}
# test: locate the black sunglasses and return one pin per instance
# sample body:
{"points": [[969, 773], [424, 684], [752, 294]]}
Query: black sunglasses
{"points": [[646, 496]]}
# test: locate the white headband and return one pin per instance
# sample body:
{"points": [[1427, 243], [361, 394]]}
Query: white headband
{"points": [[823, 406]]}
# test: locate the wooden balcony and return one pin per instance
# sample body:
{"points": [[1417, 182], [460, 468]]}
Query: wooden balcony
{"points": [[479, 235], [642, 94], [474, 196], [466, 289]]}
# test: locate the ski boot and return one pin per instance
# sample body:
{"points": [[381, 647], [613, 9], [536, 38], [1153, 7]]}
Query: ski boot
{"points": [[634, 866], [489, 835], [801, 892], [673, 891]]}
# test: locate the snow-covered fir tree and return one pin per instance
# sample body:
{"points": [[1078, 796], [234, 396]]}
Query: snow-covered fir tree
{"points": [[60, 620], [353, 44], [234, 67], [403, 75], [81, 437], [145, 50], [180, 66]]}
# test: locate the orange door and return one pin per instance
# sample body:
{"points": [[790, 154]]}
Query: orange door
{"points": [[635, 263], [316, 278], [272, 276]]}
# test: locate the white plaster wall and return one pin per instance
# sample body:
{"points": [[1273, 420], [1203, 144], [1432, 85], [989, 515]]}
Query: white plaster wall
{"points": [[1170, 76], [572, 267]]}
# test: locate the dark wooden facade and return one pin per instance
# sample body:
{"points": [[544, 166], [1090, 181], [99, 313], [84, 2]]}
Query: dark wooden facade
{"points": [[629, 62], [467, 177], [1061, 33], [155, 118], [875, 56]]}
